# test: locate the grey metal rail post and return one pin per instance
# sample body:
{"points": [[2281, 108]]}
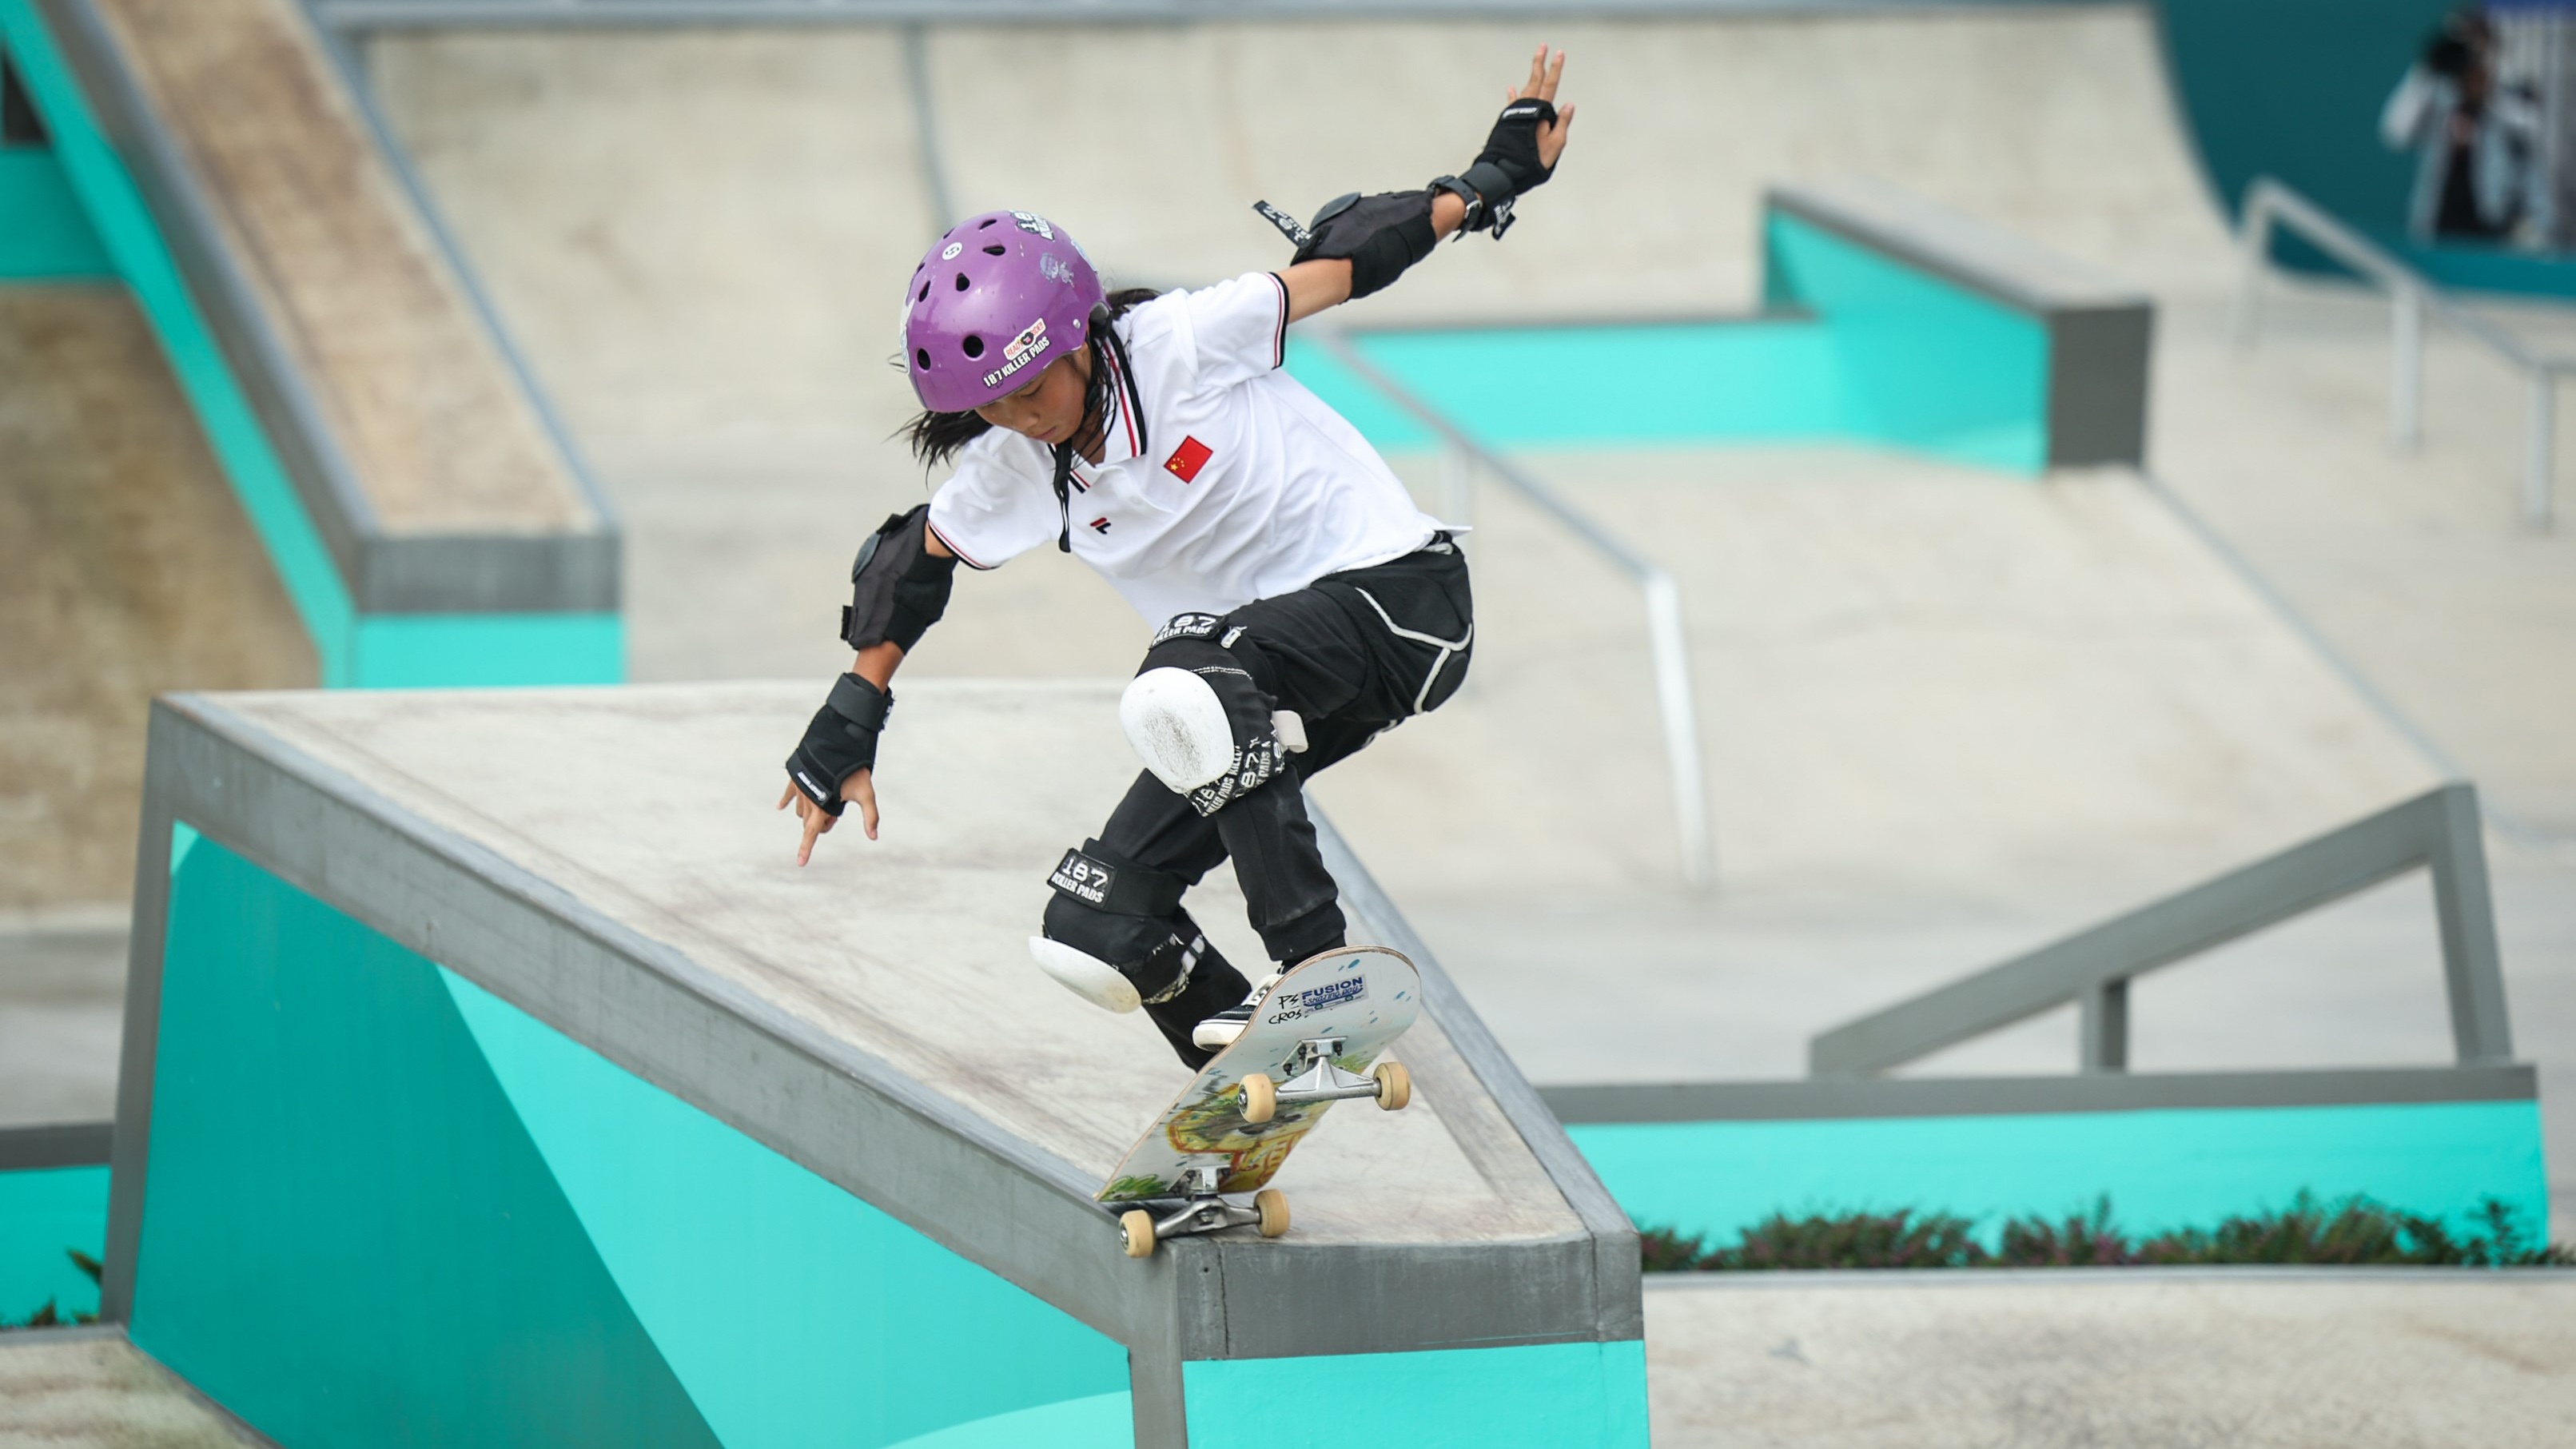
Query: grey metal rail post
{"points": [[2412, 297], [2093, 968], [1664, 628]]}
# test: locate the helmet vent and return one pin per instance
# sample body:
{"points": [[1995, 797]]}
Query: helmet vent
{"points": [[962, 283], [974, 345], [988, 221], [996, 249], [921, 358], [925, 293]]}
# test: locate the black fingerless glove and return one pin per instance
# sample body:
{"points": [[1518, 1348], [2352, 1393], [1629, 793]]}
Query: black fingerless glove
{"points": [[1505, 170], [841, 741]]}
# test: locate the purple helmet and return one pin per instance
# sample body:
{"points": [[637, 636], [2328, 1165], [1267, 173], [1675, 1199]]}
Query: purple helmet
{"points": [[999, 296]]}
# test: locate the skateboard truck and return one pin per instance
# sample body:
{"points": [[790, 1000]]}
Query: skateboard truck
{"points": [[1317, 1079], [1203, 1211]]}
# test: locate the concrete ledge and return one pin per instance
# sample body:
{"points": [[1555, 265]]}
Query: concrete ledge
{"points": [[2099, 328], [75, 1144], [832, 1033]]}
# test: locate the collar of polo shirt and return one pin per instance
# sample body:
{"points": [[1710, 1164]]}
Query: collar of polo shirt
{"points": [[1118, 431]]}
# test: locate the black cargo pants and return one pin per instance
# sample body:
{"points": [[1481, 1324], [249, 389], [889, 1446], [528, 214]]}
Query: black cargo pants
{"points": [[1352, 654]]}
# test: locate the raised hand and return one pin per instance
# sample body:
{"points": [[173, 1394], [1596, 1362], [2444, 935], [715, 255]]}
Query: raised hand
{"points": [[1544, 73]]}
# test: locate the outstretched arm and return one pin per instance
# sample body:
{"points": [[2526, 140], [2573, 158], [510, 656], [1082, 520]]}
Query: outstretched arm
{"points": [[1373, 239], [900, 588]]}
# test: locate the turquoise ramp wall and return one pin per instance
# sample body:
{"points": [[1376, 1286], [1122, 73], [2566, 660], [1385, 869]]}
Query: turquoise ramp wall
{"points": [[1558, 1395], [384, 1207], [1875, 351], [43, 1212], [2161, 1169], [1562, 1395]]}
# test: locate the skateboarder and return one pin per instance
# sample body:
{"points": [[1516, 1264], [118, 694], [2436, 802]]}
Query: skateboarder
{"points": [[1302, 603]]}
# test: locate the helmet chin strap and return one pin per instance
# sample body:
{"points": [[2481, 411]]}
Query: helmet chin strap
{"points": [[1095, 412]]}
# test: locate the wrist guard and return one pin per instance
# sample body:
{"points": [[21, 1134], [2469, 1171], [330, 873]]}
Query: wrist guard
{"points": [[898, 587], [840, 742], [1505, 170]]}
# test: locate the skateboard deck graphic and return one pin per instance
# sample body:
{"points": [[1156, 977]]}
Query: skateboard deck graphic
{"points": [[1365, 996]]}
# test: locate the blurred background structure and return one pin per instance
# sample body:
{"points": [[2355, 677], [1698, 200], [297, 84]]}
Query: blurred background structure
{"points": [[2022, 541]]}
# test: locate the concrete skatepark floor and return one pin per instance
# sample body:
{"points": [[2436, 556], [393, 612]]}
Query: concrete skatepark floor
{"points": [[87, 1388], [2112, 1359], [1949, 715]]}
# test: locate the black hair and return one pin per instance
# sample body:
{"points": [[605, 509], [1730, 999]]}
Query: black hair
{"points": [[935, 437]]}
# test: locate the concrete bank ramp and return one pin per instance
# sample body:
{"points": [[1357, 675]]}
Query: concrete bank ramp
{"points": [[413, 495], [864, 1036], [125, 568], [2116, 1358]]}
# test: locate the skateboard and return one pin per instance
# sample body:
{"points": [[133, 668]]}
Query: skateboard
{"points": [[1312, 1043]]}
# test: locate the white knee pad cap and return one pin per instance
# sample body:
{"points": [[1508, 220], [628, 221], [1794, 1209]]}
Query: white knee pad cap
{"points": [[1084, 974], [1178, 726]]}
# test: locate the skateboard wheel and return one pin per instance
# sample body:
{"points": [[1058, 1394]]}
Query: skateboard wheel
{"points": [[1394, 1086], [1260, 1098], [1273, 1206], [1138, 1226]]}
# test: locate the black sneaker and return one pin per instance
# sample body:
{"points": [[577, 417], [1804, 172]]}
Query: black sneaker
{"points": [[1220, 1031]]}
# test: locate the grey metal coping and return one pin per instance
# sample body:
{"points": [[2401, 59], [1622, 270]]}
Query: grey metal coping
{"points": [[842, 1112], [1826, 1098], [67, 1144], [424, 14], [384, 571], [2009, 269], [1525, 1106]]}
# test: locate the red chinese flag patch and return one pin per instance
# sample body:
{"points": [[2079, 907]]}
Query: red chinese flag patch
{"points": [[1188, 458]]}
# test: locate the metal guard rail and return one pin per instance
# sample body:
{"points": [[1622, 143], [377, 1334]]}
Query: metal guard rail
{"points": [[1663, 600], [2093, 968], [2412, 296]]}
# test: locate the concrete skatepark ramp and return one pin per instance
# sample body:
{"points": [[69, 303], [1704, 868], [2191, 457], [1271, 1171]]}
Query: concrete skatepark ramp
{"points": [[451, 1001], [414, 499]]}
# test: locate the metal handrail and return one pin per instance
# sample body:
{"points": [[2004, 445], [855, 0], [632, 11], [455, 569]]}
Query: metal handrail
{"points": [[1663, 599], [2093, 968], [2412, 297]]}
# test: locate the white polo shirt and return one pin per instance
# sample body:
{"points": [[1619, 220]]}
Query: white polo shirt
{"points": [[1240, 485]]}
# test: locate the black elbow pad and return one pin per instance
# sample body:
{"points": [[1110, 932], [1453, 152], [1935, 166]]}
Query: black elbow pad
{"points": [[1378, 235], [898, 587]]}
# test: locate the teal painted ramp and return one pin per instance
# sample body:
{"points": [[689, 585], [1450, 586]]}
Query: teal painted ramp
{"points": [[385, 1207], [1861, 347]]}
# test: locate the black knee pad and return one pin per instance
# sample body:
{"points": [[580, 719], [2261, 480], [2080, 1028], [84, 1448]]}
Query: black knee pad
{"points": [[1127, 917], [1158, 955]]}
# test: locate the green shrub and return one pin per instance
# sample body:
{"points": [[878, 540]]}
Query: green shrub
{"points": [[1900, 1239], [2355, 1232], [47, 1316]]}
